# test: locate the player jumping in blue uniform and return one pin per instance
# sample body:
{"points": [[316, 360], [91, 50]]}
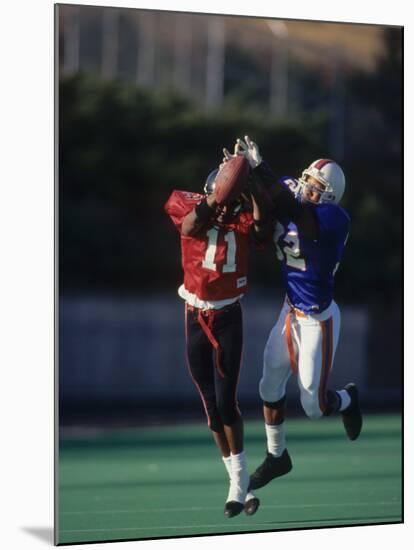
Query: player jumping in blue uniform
{"points": [[310, 233]]}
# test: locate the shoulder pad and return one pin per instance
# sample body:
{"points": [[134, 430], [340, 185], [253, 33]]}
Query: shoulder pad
{"points": [[332, 218]]}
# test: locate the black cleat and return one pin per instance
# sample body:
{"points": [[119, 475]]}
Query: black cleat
{"points": [[270, 468], [233, 508], [251, 506], [351, 416]]}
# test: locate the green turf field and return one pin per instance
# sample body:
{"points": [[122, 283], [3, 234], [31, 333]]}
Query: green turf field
{"points": [[168, 482]]}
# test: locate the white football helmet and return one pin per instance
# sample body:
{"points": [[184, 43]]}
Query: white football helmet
{"points": [[330, 175]]}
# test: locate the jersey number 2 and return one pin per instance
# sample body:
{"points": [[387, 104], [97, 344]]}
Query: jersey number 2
{"points": [[291, 250], [208, 262]]}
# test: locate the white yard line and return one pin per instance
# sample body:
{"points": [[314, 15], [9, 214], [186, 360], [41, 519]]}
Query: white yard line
{"points": [[351, 521], [199, 508]]}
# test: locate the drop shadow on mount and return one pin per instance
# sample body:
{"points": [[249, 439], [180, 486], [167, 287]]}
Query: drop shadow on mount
{"points": [[43, 533]]}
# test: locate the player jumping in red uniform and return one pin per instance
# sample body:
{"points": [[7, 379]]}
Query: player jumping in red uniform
{"points": [[215, 243]]}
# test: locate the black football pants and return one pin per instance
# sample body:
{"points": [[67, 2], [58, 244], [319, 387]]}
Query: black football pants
{"points": [[214, 342]]}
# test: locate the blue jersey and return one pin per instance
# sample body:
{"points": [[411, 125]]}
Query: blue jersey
{"points": [[309, 266]]}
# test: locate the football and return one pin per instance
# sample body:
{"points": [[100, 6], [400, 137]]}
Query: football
{"points": [[231, 180]]}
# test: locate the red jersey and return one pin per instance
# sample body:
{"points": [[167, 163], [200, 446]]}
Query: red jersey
{"points": [[215, 259]]}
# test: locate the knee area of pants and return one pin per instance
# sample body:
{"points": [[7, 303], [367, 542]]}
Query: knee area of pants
{"points": [[215, 424], [267, 391], [263, 390], [311, 407], [230, 418], [314, 414], [228, 413], [268, 357]]}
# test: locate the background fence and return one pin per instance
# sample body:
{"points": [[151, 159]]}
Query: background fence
{"points": [[128, 355], [146, 102]]}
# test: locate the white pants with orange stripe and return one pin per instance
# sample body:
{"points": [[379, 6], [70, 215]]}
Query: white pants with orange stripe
{"points": [[305, 345]]}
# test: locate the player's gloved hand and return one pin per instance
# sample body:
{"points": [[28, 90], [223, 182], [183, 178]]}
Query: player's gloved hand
{"points": [[248, 149], [227, 156]]}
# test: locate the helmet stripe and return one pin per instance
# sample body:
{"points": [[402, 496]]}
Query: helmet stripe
{"points": [[321, 163]]}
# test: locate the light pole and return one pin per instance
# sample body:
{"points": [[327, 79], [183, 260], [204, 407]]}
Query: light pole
{"points": [[215, 62], [146, 50], [110, 43], [182, 53], [279, 69], [71, 40], [337, 107]]}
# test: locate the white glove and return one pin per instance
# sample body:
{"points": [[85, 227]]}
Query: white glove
{"points": [[249, 150], [228, 156]]}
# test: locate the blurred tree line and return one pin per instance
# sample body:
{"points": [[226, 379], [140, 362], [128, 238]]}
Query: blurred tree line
{"points": [[122, 150]]}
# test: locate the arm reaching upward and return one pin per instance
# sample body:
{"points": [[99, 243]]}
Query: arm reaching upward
{"points": [[199, 216], [285, 203], [262, 206]]}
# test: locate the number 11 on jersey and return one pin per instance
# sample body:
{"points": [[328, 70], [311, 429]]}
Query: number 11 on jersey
{"points": [[230, 264]]}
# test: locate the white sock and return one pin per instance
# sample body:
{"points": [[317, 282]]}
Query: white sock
{"points": [[227, 464], [275, 434], [239, 479], [345, 399]]}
